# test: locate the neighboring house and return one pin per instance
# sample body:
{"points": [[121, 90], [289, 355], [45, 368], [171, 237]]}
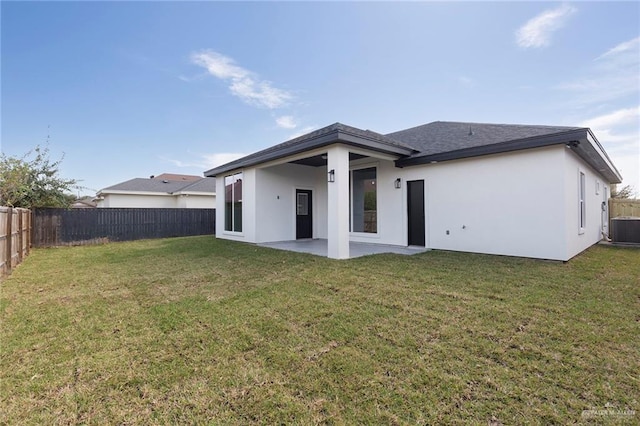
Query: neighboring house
{"points": [[518, 190], [176, 177], [181, 191], [84, 203]]}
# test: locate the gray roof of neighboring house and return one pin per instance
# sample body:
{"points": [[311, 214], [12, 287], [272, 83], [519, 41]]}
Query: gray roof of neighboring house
{"points": [[207, 184], [175, 176], [334, 133], [163, 186], [441, 141], [84, 202]]}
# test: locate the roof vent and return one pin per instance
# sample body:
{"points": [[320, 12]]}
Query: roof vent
{"points": [[470, 131], [165, 181]]}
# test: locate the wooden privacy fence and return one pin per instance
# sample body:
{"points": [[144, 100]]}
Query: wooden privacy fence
{"points": [[619, 207], [56, 227], [15, 237]]}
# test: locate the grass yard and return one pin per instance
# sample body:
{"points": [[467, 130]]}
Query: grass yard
{"points": [[198, 330]]}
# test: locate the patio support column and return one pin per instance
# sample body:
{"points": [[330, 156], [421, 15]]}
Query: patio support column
{"points": [[338, 203]]}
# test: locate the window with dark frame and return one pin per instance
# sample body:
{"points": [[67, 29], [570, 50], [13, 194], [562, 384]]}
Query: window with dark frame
{"points": [[233, 203], [364, 203]]}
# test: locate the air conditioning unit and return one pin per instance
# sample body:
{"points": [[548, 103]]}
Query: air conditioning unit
{"points": [[625, 230]]}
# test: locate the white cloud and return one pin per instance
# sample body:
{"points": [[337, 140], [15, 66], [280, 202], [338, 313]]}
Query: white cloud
{"points": [[243, 83], [205, 161], [611, 76], [622, 48], [619, 133], [219, 65], [538, 30], [286, 122], [612, 119], [215, 160]]}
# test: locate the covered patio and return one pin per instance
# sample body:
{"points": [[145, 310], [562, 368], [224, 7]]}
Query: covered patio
{"points": [[319, 247], [337, 184]]}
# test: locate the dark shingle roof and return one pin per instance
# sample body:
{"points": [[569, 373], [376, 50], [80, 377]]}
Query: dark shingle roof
{"points": [[441, 141], [336, 132], [446, 136], [163, 186]]}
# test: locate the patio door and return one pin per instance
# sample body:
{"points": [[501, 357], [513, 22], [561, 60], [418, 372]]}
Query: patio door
{"points": [[304, 219], [415, 212]]}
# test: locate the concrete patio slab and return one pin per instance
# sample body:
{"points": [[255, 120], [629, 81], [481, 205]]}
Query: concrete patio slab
{"points": [[319, 248]]}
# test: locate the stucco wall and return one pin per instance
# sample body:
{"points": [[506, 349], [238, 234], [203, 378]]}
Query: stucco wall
{"points": [[138, 201], [192, 201], [275, 197], [522, 203], [509, 204], [575, 240], [158, 201]]}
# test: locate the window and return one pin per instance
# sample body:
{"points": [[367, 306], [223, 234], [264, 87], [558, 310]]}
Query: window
{"points": [[233, 203], [303, 204], [583, 210], [364, 202]]}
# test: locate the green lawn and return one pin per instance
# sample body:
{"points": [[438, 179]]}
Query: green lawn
{"points": [[199, 330]]}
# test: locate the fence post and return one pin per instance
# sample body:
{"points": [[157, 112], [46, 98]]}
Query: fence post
{"points": [[29, 229], [20, 235], [8, 242]]}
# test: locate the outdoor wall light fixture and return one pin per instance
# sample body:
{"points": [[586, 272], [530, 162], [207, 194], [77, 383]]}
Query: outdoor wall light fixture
{"points": [[331, 175], [398, 183]]}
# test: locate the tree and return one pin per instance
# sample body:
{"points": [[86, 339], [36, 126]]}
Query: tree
{"points": [[624, 192], [33, 181]]}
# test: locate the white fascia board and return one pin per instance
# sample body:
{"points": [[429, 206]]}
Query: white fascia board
{"points": [[121, 192], [194, 193]]}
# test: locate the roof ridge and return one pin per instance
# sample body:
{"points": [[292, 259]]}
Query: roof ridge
{"points": [[479, 123], [149, 185]]}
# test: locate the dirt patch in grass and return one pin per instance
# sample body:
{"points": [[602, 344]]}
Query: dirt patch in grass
{"points": [[199, 330]]}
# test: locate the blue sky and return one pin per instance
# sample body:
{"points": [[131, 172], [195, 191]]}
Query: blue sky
{"points": [[132, 89]]}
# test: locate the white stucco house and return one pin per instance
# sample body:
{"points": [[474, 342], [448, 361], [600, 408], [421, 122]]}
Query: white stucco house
{"points": [[163, 191], [517, 190]]}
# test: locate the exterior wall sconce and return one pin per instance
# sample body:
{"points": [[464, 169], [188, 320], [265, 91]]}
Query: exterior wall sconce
{"points": [[331, 175], [398, 183]]}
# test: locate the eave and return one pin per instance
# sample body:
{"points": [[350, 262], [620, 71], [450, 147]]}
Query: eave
{"points": [[340, 135]]}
